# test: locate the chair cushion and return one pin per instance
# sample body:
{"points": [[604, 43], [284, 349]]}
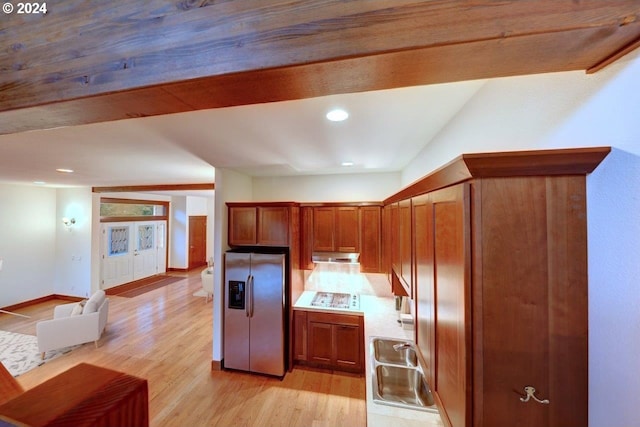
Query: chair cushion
{"points": [[77, 309], [94, 302]]}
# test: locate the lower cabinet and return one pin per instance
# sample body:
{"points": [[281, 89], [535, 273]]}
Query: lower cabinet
{"points": [[329, 340]]}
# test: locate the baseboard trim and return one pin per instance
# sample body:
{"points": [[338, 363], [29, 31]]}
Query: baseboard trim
{"points": [[24, 304], [116, 290], [181, 270], [216, 365]]}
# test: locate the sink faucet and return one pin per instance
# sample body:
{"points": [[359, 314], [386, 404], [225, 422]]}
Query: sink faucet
{"points": [[401, 346]]}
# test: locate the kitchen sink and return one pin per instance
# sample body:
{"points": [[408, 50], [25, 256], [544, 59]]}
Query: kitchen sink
{"points": [[403, 355], [397, 372], [403, 385]]}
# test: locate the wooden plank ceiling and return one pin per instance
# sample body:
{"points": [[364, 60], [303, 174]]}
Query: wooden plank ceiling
{"points": [[86, 62]]}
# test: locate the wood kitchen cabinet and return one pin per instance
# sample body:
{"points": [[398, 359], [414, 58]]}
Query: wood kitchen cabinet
{"points": [[336, 229], [259, 225], [300, 335], [500, 257], [370, 239], [405, 273], [329, 340], [343, 227], [324, 224]]}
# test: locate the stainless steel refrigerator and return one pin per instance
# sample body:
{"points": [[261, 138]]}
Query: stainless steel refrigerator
{"points": [[254, 316]]}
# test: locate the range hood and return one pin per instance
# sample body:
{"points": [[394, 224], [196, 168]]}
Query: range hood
{"points": [[337, 257]]}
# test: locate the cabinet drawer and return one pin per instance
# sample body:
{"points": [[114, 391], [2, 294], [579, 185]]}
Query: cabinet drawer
{"points": [[334, 318]]}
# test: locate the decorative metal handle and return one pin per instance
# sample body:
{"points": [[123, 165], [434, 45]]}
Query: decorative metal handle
{"points": [[530, 393]]}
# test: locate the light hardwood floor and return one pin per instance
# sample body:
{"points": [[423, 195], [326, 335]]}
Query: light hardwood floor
{"points": [[165, 336]]}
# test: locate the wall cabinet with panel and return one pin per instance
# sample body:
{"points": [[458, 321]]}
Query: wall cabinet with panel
{"points": [[371, 239], [405, 273], [343, 227], [329, 340], [501, 286], [260, 224]]}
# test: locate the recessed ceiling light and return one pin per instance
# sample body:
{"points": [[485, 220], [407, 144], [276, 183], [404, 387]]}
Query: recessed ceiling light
{"points": [[337, 115], [63, 170], [347, 164]]}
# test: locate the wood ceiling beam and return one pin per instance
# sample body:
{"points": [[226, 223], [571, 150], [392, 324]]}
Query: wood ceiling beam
{"points": [[86, 62], [159, 187]]}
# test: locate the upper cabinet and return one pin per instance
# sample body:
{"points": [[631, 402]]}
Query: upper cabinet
{"points": [[336, 229], [243, 225], [347, 229], [261, 224], [370, 239], [499, 271], [324, 225], [343, 227]]}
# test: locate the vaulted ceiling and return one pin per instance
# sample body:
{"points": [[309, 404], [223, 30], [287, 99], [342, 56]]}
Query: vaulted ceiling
{"points": [[93, 82]]}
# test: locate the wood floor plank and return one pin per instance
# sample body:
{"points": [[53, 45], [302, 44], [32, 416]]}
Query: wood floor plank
{"points": [[165, 336]]}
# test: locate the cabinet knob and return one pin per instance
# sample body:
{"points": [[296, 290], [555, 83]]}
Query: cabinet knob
{"points": [[530, 394]]}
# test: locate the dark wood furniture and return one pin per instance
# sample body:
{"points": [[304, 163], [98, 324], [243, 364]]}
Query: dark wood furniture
{"points": [[500, 269], [85, 395], [9, 386], [329, 340]]}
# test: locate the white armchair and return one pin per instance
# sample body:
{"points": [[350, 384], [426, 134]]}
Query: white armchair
{"points": [[207, 283], [70, 327]]}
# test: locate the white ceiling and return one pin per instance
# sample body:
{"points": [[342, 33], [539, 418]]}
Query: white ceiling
{"points": [[385, 130]]}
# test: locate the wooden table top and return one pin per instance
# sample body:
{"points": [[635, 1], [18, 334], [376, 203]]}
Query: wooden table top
{"points": [[80, 396]]}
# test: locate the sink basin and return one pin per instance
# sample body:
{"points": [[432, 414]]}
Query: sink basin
{"points": [[403, 385], [398, 375], [384, 352]]}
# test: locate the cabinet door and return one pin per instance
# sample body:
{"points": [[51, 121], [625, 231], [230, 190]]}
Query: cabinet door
{"points": [[534, 301], [300, 336], [273, 226], [452, 285], [406, 247], [424, 280], [324, 220], [347, 231], [320, 344], [370, 231], [336, 341], [306, 238], [242, 226], [347, 346], [386, 242], [394, 237]]}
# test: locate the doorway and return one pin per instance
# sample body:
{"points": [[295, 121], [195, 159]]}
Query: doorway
{"points": [[197, 241], [132, 250]]}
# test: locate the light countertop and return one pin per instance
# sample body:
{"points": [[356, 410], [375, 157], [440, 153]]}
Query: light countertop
{"points": [[380, 319]]}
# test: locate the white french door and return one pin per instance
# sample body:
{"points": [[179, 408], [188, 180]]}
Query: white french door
{"points": [[132, 251], [117, 254], [145, 251]]}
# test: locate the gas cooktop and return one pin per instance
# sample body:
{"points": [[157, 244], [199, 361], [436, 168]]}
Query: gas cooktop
{"points": [[336, 300]]}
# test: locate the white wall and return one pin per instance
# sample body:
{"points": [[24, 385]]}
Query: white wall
{"points": [[196, 205], [230, 187], [324, 188], [178, 241], [573, 110], [27, 242], [73, 244]]}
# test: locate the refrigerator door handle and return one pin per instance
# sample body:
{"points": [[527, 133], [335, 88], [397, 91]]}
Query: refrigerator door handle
{"points": [[251, 296], [247, 297]]}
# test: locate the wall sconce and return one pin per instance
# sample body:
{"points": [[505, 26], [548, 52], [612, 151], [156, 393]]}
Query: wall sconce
{"points": [[68, 221]]}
